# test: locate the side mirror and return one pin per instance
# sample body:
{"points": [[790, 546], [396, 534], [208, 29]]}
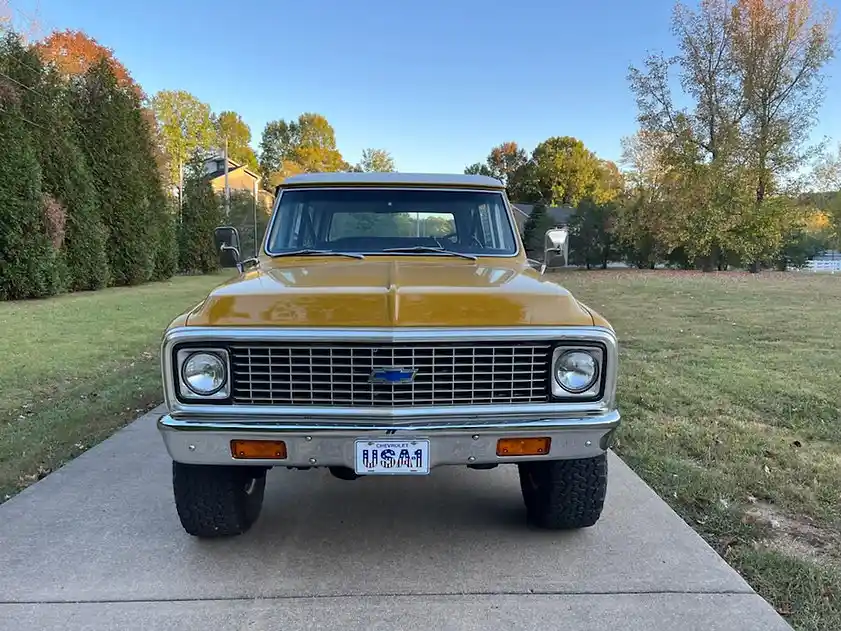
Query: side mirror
{"points": [[227, 244], [555, 242]]}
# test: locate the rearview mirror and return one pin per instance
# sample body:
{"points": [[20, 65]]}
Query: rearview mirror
{"points": [[555, 243], [227, 244]]}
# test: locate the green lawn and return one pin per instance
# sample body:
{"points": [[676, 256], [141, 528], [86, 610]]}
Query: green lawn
{"points": [[730, 390], [79, 366]]}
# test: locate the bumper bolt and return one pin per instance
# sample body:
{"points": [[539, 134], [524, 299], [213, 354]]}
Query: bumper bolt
{"points": [[471, 459], [313, 460], [308, 438], [588, 443], [192, 447], [475, 436]]}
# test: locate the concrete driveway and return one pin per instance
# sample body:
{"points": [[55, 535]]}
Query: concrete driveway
{"points": [[97, 545]]}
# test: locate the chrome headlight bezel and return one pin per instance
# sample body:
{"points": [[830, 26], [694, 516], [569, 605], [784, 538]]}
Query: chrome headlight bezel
{"points": [[182, 355], [594, 390]]}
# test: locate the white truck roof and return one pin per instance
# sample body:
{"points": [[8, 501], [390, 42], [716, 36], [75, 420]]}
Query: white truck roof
{"points": [[392, 179]]}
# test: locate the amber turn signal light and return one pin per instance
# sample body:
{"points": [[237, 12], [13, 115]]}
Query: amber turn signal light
{"points": [[263, 449], [523, 446]]}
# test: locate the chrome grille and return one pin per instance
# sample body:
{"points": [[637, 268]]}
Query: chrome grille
{"points": [[446, 374]]}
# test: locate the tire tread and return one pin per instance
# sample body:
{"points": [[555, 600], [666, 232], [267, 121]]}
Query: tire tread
{"points": [[564, 494], [211, 501]]}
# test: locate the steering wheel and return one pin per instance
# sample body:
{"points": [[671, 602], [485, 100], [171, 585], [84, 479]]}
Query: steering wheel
{"points": [[453, 238]]}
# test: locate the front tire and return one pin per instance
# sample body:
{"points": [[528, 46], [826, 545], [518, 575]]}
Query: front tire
{"points": [[564, 494], [217, 501]]}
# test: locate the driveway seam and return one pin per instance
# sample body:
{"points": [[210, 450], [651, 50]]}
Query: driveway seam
{"points": [[108, 601]]}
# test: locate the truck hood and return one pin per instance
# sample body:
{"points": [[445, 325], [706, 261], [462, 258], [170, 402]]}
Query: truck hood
{"points": [[390, 292]]}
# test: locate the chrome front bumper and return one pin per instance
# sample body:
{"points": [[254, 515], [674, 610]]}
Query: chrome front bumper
{"points": [[471, 442]]}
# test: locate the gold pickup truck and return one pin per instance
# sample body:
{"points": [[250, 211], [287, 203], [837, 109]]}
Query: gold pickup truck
{"points": [[391, 324]]}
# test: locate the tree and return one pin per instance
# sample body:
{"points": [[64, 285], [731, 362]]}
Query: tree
{"points": [[244, 214], [591, 236], [779, 50], [309, 142], [276, 146], [524, 185], [502, 162], [827, 173], [27, 258], [828, 180], [535, 229], [185, 127], [201, 214], [74, 53], [566, 170], [315, 146], [477, 168], [110, 132], [231, 126], [505, 159], [376, 160], [751, 71], [66, 177], [609, 182]]}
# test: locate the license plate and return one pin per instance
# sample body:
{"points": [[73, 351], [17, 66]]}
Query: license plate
{"points": [[392, 457]]}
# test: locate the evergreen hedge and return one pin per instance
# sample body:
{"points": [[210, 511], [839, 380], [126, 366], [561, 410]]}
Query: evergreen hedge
{"points": [[81, 200], [28, 267], [110, 133], [67, 178], [200, 215]]}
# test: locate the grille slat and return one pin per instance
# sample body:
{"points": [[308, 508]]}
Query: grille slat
{"points": [[339, 374]]}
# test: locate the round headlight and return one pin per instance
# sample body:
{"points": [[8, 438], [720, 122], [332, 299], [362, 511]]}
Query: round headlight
{"points": [[204, 373], [576, 371]]}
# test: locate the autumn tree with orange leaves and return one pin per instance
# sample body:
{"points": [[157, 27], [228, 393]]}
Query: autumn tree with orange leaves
{"points": [[74, 53]]}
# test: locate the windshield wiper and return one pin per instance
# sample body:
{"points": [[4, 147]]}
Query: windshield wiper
{"points": [[310, 252], [429, 248]]}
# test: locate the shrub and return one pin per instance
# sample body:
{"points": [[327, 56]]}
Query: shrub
{"points": [[27, 259], [111, 135], [242, 217], [535, 229], [166, 254], [201, 214]]}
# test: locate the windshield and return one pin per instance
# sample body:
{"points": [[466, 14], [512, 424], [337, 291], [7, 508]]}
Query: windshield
{"points": [[372, 221]]}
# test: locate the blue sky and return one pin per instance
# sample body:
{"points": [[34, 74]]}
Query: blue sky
{"points": [[437, 83]]}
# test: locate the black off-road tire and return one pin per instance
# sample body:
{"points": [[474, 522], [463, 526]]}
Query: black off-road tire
{"points": [[564, 494], [217, 501]]}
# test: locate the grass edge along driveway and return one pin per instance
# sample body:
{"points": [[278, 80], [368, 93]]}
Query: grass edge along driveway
{"points": [[79, 366]]}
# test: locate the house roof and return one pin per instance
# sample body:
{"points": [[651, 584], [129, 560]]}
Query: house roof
{"points": [[233, 166], [221, 173], [559, 214], [392, 179]]}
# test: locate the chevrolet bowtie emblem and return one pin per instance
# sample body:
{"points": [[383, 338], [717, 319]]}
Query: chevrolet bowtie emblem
{"points": [[392, 375]]}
